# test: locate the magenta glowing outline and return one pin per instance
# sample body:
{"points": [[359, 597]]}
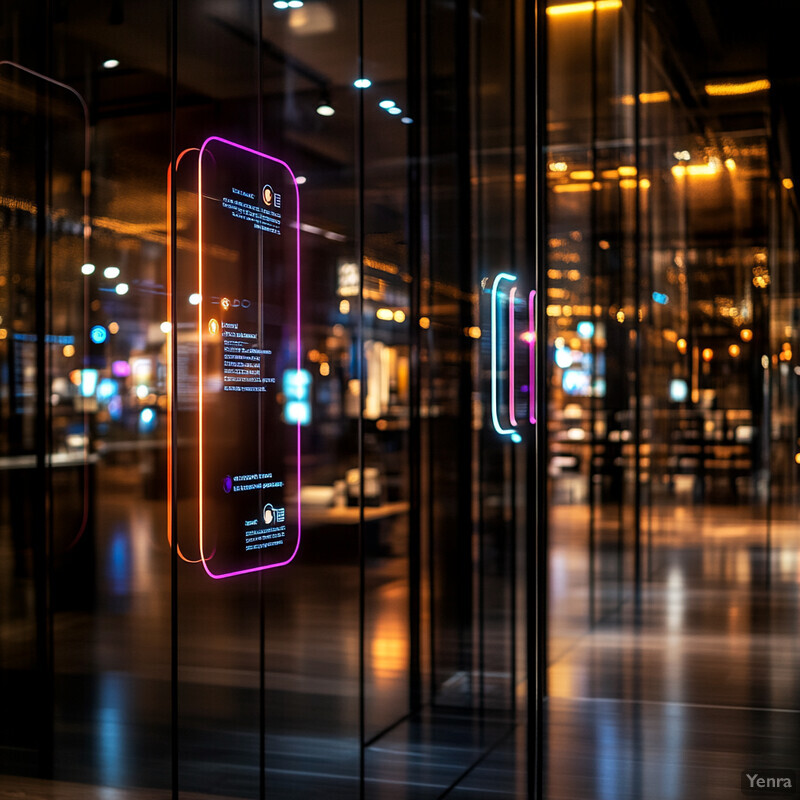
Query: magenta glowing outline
{"points": [[512, 413], [200, 346], [531, 358]]}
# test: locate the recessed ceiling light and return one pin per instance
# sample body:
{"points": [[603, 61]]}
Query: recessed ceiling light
{"points": [[281, 4], [110, 63], [387, 104], [295, 3], [111, 272], [325, 110], [406, 120], [395, 110], [121, 288], [87, 269], [301, 179], [362, 83]]}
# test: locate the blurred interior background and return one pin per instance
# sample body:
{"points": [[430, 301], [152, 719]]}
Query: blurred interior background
{"points": [[602, 604]]}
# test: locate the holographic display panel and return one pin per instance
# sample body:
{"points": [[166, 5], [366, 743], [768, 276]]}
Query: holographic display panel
{"points": [[248, 337]]}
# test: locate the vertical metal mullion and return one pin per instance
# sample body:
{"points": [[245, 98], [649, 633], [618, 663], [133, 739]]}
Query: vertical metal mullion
{"points": [[262, 602], [360, 239], [463, 243], [430, 107], [172, 71], [638, 306], [478, 469], [593, 267], [413, 76], [512, 167], [536, 539], [42, 531]]}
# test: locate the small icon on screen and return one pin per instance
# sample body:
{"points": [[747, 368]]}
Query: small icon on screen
{"points": [[227, 484], [225, 303], [268, 195], [277, 200], [269, 514], [213, 327]]}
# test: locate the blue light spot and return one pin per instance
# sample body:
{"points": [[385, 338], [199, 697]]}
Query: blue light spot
{"points": [[660, 298], [98, 334], [586, 329], [147, 420]]}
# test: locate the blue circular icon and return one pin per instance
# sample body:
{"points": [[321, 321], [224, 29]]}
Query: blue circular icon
{"points": [[98, 334], [227, 484]]}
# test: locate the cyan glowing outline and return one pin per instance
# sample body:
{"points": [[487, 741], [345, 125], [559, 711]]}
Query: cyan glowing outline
{"points": [[200, 346], [531, 358], [501, 276]]}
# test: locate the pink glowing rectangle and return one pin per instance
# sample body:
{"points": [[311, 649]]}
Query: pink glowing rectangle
{"points": [[511, 346], [532, 357], [230, 178]]}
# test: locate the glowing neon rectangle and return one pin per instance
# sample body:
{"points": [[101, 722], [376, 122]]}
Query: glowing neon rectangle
{"points": [[532, 356], [248, 282], [496, 348], [512, 341]]}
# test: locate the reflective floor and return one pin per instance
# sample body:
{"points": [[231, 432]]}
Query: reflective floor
{"points": [[704, 686], [676, 703]]}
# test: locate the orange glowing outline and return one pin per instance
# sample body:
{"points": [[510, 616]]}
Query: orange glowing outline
{"points": [[170, 339]]}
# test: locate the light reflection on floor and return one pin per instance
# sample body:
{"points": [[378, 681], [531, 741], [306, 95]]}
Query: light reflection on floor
{"points": [[705, 685]]}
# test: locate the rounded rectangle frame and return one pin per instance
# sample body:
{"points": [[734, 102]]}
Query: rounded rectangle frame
{"points": [[206, 560]]}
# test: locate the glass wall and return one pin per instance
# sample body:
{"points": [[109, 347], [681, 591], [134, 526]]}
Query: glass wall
{"points": [[671, 256], [386, 660]]}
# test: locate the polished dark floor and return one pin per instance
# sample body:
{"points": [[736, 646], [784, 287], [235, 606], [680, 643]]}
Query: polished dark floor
{"points": [[675, 701], [668, 699]]}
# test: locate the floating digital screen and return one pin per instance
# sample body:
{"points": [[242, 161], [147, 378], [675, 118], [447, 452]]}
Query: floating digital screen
{"points": [[247, 338]]}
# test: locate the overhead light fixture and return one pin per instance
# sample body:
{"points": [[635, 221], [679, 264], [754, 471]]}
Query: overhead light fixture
{"points": [[583, 8], [111, 272], [567, 188], [362, 83], [406, 120], [646, 97], [110, 63], [87, 269], [395, 110], [121, 288], [325, 109], [194, 299], [731, 89], [387, 104], [301, 179]]}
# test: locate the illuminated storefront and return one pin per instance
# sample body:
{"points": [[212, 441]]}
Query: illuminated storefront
{"points": [[362, 365]]}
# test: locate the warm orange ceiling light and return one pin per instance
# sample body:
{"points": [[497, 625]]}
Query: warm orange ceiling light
{"points": [[731, 89], [646, 97], [572, 187], [583, 8]]}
